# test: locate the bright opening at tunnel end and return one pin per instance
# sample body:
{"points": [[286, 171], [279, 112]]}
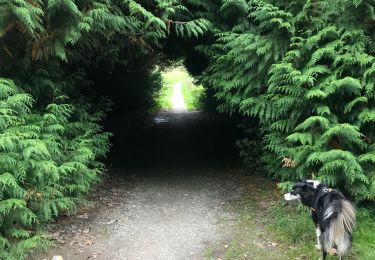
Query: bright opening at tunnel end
{"points": [[178, 101], [179, 94]]}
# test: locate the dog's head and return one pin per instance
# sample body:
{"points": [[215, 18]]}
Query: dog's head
{"points": [[303, 191]]}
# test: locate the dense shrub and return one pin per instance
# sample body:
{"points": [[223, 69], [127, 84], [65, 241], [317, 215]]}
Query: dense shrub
{"points": [[50, 136], [48, 161], [305, 69]]}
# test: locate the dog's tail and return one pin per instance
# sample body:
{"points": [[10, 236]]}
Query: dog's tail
{"points": [[341, 228]]}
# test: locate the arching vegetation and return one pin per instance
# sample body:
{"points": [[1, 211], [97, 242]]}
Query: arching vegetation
{"points": [[305, 69]]}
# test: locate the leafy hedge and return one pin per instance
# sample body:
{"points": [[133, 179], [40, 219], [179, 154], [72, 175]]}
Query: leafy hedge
{"points": [[306, 70], [47, 162], [51, 140]]}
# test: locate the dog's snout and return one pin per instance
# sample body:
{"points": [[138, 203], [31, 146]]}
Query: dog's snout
{"points": [[290, 197]]}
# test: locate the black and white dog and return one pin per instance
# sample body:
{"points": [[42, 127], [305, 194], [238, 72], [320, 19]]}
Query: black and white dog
{"points": [[332, 213]]}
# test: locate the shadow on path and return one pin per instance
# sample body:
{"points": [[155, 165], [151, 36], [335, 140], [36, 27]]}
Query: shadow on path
{"points": [[170, 178], [170, 139]]}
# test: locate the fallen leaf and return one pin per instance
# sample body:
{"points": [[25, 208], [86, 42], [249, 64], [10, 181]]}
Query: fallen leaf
{"points": [[83, 216], [73, 242], [111, 221], [88, 242], [95, 254], [56, 235]]}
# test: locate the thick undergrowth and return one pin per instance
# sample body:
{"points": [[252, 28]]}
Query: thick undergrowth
{"points": [[303, 69], [306, 71], [51, 138]]}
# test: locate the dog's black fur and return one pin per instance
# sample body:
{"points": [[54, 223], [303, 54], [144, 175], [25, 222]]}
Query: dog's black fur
{"points": [[332, 213]]}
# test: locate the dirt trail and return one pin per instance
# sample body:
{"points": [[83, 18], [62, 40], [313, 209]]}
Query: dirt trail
{"points": [[178, 102], [177, 214], [168, 184]]}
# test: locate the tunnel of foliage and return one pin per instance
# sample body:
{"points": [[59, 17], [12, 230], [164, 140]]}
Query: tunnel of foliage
{"points": [[304, 69]]}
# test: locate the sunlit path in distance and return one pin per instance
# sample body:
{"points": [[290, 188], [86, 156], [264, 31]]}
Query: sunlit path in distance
{"points": [[178, 102]]}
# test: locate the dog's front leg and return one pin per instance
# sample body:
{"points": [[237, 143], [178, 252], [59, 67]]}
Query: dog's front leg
{"points": [[318, 245], [324, 255]]}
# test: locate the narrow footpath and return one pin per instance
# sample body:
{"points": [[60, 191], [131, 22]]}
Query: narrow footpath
{"points": [[166, 196]]}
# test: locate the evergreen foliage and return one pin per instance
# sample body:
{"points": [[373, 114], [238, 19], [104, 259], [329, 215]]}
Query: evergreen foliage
{"points": [[48, 161], [305, 69], [51, 140]]}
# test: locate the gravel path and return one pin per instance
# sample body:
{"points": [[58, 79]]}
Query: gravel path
{"points": [[172, 210], [176, 214], [173, 216]]}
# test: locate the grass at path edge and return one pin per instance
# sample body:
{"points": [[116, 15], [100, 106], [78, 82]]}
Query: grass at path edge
{"points": [[264, 218]]}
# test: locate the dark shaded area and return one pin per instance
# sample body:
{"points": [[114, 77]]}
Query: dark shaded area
{"points": [[165, 139], [129, 89], [168, 140]]}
